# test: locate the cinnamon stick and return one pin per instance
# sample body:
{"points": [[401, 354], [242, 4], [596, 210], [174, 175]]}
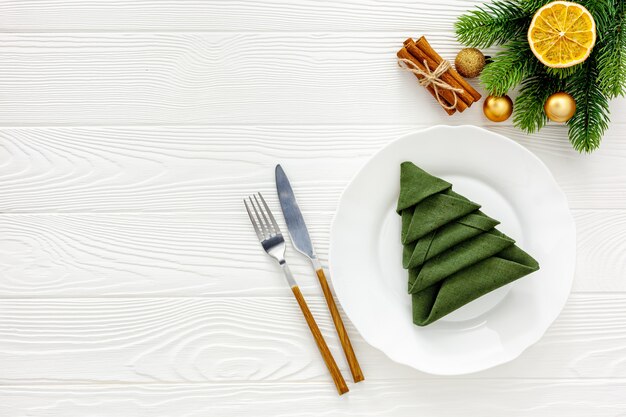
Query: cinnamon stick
{"points": [[465, 98], [423, 44], [404, 54]]}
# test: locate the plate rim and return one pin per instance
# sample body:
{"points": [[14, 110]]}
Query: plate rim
{"points": [[512, 353]]}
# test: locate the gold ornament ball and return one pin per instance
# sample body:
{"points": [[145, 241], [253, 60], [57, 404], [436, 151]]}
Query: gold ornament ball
{"points": [[498, 109], [560, 107], [469, 62]]}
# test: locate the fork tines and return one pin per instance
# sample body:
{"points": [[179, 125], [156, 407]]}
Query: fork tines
{"points": [[263, 221]]}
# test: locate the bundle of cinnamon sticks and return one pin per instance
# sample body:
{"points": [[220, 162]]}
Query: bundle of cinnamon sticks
{"points": [[420, 53]]}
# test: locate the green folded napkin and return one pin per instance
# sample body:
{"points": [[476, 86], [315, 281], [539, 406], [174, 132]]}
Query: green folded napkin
{"points": [[455, 259], [452, 250], [460, 288], [442, 239], [434, 212]]}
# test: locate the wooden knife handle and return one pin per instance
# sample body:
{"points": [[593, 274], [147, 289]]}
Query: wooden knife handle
{"points": [[335, 373], [355, 368]]}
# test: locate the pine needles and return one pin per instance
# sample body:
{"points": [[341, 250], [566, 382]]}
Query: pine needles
{"points": [[592, 108], [535, 90], [509, 67], [601, 77], [612, 55], [491, 24]]}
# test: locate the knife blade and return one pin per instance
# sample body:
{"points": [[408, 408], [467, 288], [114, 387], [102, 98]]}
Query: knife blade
{"points": [[302, 242], [293, 216]]}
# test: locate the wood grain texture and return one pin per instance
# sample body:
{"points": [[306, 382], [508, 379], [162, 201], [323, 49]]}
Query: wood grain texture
{"points": [[437, 398], [227, 78], [173, 78], [131, 281], [243, 16], [263, 339], [342, 333], [134, 255], [325, 352], [209, 168]]}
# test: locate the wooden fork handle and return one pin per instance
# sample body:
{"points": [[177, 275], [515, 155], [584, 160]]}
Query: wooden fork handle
{"points": [[335, 373], [355, 368]]}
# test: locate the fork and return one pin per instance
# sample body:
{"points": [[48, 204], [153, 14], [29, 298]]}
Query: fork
{"points": [[273, 243]]}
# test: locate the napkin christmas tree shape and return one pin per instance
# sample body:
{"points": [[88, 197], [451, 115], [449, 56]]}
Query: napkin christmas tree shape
{"points": [[435, 211], [458, 289], [452, 250], [431, 205], [457, 258], [431, 245]]}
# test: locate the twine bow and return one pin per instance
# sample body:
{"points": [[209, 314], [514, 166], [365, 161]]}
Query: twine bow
{"points": [[433, 78]]}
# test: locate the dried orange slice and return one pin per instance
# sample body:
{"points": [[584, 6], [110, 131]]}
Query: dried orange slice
{"points": [[562, 34]]}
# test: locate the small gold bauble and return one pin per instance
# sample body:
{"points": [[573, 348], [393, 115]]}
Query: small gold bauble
{"points": [[469, 62], [498, 109], [560, 107]]}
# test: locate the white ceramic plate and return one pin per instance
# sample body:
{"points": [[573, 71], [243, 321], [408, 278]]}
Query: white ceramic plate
{"points": [[513, 186]]}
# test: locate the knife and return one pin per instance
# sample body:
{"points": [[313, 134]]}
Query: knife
{"points": [[302, 242]]}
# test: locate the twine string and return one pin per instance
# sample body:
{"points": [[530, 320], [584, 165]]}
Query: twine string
{"points": [[433, 78]]}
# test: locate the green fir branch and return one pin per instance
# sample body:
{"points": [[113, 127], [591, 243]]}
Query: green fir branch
{"points": [[531, 6], [563, 73], [491, 24], [528, 111], [611, 53], [592, 108], [603, 12], [592, 83], [509, 67]]}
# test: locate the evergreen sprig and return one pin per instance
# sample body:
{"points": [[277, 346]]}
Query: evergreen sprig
{"points": [[528, 113], [592, 83], [603, 12], [491, 24], [612, 54], [563, 73], [592, 108], [509, 67], [531, 6]]}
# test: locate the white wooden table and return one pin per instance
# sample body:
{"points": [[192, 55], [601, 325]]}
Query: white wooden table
{"points": [[131, 281]]}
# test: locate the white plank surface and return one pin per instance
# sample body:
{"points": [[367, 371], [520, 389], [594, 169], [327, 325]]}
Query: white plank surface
{"points": [[131, 283], [218, 77], [228, 16], [200, 254], [264, 339], [441, 397], [187, 78], [208, 168]]}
